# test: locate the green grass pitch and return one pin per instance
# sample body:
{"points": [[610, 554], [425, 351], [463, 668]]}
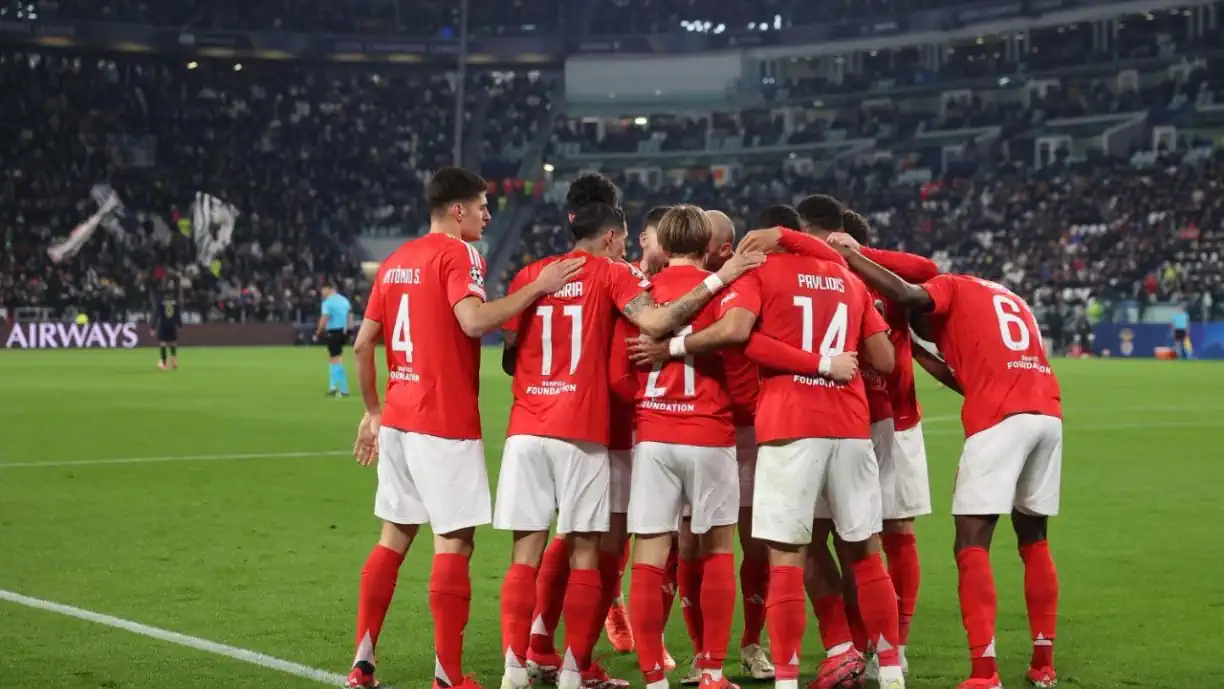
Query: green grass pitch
{"points": [[264, 553]]}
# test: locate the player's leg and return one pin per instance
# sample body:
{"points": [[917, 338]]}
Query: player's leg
{"points": [[711, 477], [524, 505], [337, 380], [454, 484], [174, 353], [690, 563], [1037, 499], [909, 497], [583, 511], [853, 494], [655, 504], [789, 477], [615, 552], [399, 504], [543, 661], [754, 567], [833, 585], [986, 480], [163, 346]]}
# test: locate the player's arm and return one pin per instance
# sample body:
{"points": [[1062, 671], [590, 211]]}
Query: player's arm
{"points": [[509, 351], [886, 282], [363, 355], [937, 368], [769, 352], [322, 324], [477, 316], [660, 321], [876, 348], [910, 267], [791, 241], [510, 328]]}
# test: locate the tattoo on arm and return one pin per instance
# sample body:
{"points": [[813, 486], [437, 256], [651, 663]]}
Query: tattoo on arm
{"points": [[637, 305], [683, 309]]}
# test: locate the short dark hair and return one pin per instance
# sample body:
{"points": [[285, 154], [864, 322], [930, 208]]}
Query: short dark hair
{"points": [[685, 231], [780, 215], [594, 219], [453, 184], [589, 189], [856, 226], [821, 212], [328, 283], [654, 215]]}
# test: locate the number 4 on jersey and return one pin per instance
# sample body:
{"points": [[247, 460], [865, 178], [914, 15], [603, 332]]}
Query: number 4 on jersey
{"points": [[401, 334], [834, 341]]}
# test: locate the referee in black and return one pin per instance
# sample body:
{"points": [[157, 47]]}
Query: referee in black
{"points": [[167, 319]]}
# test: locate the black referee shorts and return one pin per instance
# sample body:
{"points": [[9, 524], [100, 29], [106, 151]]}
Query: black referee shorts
{"points": [[335, 342]]}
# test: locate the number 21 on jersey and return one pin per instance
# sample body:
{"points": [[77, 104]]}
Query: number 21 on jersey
{"points": [[653, 389]]}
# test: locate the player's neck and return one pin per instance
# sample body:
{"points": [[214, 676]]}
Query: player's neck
{"points": [[446, 228], [591, 248], [693, 261]]}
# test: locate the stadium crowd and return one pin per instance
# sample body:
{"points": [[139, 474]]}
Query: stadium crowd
{"points": [[311, 157]]}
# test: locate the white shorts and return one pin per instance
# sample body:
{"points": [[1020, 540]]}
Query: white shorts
{"points": [[906, 486], [541, 477], [424, 479], [666, 476], [827, 478], [620, 476], [1016, 463], [746, 456]]}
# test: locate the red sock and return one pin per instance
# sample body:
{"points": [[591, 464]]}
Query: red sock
{"points": [[517, 606], [754, 579], [717, 609], [786, 615], [378, 579], [450, 599], [1041, 597], [646, 619], [906, 573], [877, 601], [688, 579], [583, 601], [978, 609], [550, 596], [669, 585], [834, 626], [609, 583], [858, 631]]}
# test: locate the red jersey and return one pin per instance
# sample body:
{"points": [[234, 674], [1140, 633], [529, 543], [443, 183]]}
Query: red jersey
{"points": [[992, 343], [879, 398], [433, 366], [621, 437], [564, 342], [685, 401], [817, 306], [743, 383]]}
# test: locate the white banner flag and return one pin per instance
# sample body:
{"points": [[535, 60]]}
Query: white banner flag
{"points": [[212, 226], [81, 234]]}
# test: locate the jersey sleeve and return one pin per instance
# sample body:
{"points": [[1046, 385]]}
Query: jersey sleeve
{"points": [[519, 282], [873, 320], [323, 310], [374, 305], [942, 289], [744, 293], [812, 247], [620, 371], [627, 283], [768, 352], [910, 267], [463, 274]]}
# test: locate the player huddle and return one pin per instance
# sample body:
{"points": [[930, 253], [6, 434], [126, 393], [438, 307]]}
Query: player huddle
{"points": [[768, 387]]}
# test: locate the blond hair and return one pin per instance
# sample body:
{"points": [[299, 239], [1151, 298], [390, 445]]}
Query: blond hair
{"points": [[685, 231]]}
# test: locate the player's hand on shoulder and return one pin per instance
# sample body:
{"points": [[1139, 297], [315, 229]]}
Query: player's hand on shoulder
{"points": [[740, 262], [843, 367], [762, 241], [843, 242], [365, 449], [647, 351], [555, 275]]}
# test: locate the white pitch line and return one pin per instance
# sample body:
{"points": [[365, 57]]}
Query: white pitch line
{"points": [[196, 643], [186, 458]]}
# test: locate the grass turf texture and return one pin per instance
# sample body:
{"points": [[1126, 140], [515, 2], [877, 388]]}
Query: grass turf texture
{"points": [[264, 553]]}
